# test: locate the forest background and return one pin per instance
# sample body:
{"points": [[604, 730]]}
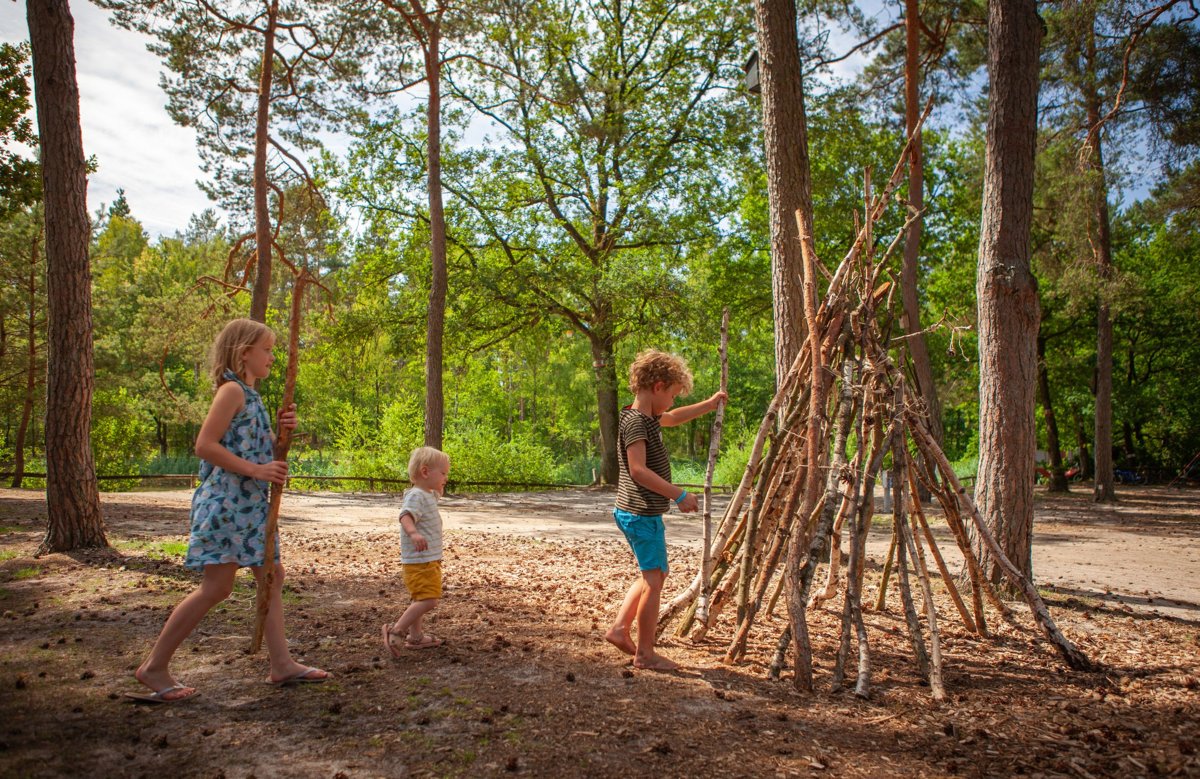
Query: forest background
{"points": [[605, 192]]}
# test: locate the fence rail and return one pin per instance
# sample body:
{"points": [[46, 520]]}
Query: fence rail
{"points": [[371, 481]]}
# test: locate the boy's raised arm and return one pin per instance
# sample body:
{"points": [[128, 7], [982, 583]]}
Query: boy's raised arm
{"points": [[677, 416]]}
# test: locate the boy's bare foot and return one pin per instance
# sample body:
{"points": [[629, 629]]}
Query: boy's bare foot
{"points": [[162, 682], [654, 662], [621, 640]]}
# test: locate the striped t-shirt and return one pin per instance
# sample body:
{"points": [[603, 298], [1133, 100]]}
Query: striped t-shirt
{"points": [[632, 497]]}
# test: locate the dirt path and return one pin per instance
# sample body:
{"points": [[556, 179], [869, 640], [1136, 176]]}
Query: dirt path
{"points": [[525, 684], [1144, 552]]}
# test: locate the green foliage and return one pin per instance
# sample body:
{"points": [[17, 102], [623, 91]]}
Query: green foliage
{"points": [[20, 177], [120, 434], [481, 455], [610, 200]]}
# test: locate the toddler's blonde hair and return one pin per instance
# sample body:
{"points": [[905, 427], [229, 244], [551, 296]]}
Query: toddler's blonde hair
{"points": [[234, 339], [653, 366], [425, 455]]}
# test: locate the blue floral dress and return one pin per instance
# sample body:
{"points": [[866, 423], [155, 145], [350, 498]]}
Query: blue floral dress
{"points": [[229, 511]]}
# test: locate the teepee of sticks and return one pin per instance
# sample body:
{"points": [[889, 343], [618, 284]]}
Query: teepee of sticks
{"points": [[801, 486]]}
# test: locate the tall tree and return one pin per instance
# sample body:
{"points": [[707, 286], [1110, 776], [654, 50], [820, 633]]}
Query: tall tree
{"points": [[256, 79], [1006, 288], [1097, 75], [600, 192], [910, 316], [23, 238], [425, 25], [789, 180], [72, 496]]}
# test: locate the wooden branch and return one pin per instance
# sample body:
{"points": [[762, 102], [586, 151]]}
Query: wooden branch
{"points": [[1070, 654], [283, 443], [714, 446]]}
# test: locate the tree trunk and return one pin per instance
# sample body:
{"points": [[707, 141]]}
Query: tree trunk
{"points": [[1007, 289], [434, 401], [910, 318], [72, 498], [1085, 456], [1058, 473], [1104, 491], [31, 369], [262, 211], [789, 182], [606, 402]]}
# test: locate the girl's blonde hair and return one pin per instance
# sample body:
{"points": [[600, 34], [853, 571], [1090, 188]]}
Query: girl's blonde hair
{"points": [[425, 455], [653, 366], [234, 339]]}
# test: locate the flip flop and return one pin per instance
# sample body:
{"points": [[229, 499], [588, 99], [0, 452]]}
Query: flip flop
{"points": [[428, 641], [160, 696], [387, 641], [302, 677]]}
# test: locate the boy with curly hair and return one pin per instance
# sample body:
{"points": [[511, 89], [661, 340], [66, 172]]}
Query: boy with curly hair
{"points": [[645, 493]]}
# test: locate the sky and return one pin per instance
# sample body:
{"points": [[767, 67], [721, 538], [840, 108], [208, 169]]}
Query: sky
{"points": [[125, 123]]}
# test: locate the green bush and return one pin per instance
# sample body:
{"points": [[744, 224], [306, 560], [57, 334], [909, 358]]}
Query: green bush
{"points": [[482, 455], [580, 470], [165, 463]]}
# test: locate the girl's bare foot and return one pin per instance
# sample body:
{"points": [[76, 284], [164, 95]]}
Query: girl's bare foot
{"points": [[293, 671], [162, 680], [621, 640], [654, 662]]}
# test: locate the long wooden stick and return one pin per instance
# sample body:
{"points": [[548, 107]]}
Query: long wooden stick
{"points": [[714, 446], [947, 579], [282, 444]]}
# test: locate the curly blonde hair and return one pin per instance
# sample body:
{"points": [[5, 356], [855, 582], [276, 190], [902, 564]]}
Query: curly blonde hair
{"points": [[653, 366], [227, 353]]}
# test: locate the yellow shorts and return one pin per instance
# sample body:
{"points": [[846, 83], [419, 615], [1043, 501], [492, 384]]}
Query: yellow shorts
{"points": [[423, 580]]}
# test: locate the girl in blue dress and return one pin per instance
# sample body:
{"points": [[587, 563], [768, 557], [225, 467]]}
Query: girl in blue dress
{"points": [[229, 510]]}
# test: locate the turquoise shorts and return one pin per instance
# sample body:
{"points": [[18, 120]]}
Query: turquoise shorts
{"points": [[647, 536]]}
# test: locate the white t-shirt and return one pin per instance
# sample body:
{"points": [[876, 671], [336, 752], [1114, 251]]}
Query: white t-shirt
{"points": [[422, 505]]}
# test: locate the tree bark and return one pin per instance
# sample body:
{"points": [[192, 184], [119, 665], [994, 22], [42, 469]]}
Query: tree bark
{"points": [[262, 212], [789, 181], [434, 402], [1085, 456], [1058, 473], [31, 368], [72, 497], [606, 402], [910, 318], [1104, 491], [1007, 290]]}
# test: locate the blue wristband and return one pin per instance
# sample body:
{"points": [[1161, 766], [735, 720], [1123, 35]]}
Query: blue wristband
{"points": [[679, 500]]}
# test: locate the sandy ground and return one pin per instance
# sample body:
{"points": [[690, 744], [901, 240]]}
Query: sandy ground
{"points": [[525, 684], [1143, 552]]}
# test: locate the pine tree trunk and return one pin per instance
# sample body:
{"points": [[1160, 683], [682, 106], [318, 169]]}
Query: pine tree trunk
{"points": [[1058, 473], [262, 213], [31, 370], [606, 403], [910, 318], [434, 401], [1104, 491], [789, 182], [1007, 289], [1085, 455], [72, 497]]}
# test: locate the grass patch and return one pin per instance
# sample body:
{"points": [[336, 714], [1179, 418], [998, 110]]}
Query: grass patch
{"points": [[8, 554], [155, 550], [28, 572], [8, 529]]}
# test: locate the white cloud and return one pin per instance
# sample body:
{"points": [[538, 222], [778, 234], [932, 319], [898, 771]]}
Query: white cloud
{"points": [[125, 123]]}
